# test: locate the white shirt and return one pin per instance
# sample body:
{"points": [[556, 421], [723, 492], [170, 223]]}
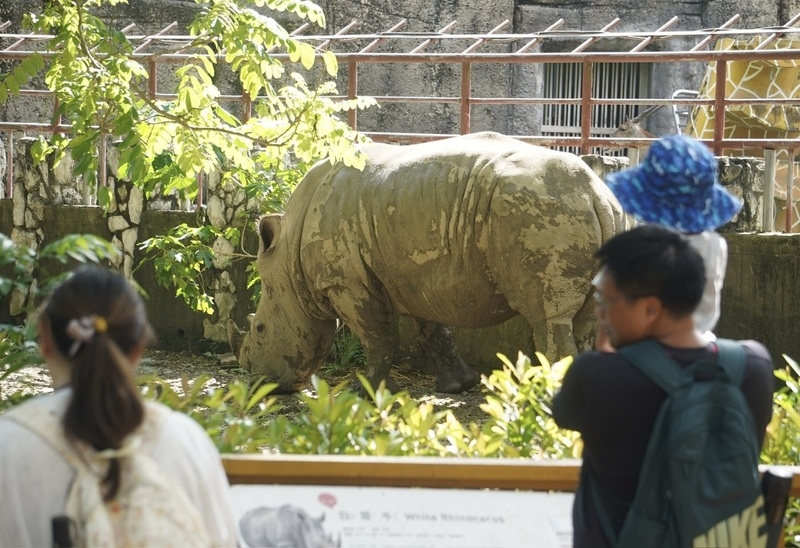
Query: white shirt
{"points": [[35, 480], [714, 250]]}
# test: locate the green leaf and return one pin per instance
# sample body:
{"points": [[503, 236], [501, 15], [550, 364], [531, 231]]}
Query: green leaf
{"points": [[104, 197], [307, 55], [12, 84], [331, 63]]}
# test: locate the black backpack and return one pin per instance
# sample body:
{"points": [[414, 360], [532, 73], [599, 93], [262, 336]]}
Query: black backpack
{"points": [[699, 483]]}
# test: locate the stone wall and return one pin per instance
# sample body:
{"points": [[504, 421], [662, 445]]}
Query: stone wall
{"points": [[527, 16], [48, 204]]}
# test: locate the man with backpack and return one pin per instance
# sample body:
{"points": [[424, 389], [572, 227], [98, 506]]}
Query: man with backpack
{"points": [[706, 406]]}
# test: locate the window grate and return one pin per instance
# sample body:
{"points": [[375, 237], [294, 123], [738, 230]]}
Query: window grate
{"points": [[609, 81]]}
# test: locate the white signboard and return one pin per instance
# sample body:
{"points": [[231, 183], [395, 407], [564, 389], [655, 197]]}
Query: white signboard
{"points": [[383, 517]]}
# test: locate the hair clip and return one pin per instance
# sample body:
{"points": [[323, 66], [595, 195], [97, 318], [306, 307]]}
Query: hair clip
{"points": [[81, 330]]}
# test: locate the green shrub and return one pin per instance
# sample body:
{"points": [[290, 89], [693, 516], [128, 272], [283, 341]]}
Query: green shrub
{"points": [[24, 279], [340, 421], [782, 443], [518, 401]]}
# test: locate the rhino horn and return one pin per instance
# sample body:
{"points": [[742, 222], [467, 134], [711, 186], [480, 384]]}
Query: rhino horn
{"points": [[235, 337]]}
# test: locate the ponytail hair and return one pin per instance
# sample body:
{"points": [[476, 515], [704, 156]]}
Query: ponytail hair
{"points": [[97, 320]]}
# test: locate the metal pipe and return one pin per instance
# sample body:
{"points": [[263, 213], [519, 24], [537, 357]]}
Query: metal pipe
{"points": [[466, 92], [789, 190], [719, 105], [10, 165], [586, 107], [767, 219], [352, 92]]}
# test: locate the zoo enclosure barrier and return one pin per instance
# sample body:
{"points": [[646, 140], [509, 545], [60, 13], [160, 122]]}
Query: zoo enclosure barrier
{"points": [[587, 111]]}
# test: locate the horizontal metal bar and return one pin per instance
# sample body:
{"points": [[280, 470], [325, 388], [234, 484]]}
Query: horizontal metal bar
{"points": [[594, 142], [497, 58], [564, 34]]}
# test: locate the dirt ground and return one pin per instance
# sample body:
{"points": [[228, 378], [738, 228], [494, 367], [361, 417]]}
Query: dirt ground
{"points": [[172, 366]]}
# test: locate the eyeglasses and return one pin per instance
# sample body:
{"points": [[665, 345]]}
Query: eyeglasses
{"points": [[605, 302]]}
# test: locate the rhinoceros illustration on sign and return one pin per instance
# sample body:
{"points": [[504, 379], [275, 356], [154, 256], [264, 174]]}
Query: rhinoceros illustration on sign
{"points": [[468, 231], [286, 526]]}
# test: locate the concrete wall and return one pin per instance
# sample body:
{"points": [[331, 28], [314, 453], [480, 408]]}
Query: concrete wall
{"points": [[760, 300], [761, 296]]}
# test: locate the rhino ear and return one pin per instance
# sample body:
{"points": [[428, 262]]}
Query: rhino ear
{"points": [[269, 228]]}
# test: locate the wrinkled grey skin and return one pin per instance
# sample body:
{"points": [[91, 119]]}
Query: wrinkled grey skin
{"points": [[286, 526], [467, 231]]}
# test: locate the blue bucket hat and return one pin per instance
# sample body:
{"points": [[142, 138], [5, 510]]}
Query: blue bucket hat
{"points": [[676, 186]]}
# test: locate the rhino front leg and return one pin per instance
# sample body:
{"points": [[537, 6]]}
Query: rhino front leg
{"points": [[453, 375], [379, 353], [371, 322]]}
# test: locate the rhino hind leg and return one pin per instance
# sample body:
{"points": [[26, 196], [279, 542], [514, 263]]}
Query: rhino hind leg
{"points": [[453, 375], [584, 325], [554, 338]]}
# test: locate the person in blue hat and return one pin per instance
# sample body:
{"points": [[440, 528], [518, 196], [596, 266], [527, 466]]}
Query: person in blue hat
{"points": [[677, 186]]}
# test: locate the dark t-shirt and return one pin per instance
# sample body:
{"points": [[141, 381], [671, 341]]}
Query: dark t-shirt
{"points": [[613, 405]]}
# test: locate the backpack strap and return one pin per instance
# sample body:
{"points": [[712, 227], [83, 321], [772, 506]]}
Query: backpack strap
{"points": [[649, 357], [45, 421], [733, 359]]}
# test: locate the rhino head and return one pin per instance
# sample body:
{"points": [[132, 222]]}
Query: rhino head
{"points": [[283, 344]]}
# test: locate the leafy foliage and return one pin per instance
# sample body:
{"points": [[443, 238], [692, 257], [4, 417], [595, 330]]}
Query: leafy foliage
{"points": [[181, 257], [347, 353], [518, 402], [234, 417], [101, 87], [20, 270], [12, 82], [782, 444], [339, 421], [165, 141]]}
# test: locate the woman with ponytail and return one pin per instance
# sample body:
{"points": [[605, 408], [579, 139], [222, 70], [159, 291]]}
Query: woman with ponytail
{"points": [[92, 333]]}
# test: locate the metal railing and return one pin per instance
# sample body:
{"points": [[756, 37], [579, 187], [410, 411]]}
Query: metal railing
{"points": [[465, 50]]}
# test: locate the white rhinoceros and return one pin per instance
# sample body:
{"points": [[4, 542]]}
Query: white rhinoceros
{"points": [[467, 231]]}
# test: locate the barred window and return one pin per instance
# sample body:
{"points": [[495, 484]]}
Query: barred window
{"points": [[609, 81]]}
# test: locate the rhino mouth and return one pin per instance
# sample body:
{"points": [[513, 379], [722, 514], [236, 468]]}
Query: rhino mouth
{"points": [[290, 372], [286, 384]]}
